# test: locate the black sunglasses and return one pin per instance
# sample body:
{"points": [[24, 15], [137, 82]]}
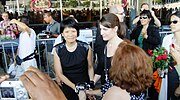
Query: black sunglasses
{"points": [[144, 17], [174, 22]]}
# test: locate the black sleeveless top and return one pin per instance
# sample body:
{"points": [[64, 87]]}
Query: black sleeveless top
{"points": [[74, 64]]}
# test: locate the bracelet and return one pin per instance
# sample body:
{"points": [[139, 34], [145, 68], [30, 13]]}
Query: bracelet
{"points": [[92, 85]]}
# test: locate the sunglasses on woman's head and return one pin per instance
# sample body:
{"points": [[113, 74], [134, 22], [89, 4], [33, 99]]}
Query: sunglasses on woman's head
{"points": [[174, 22], [143, 17]]}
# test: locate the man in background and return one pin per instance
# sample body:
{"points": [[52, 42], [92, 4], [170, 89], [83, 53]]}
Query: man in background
{"points": [[53, 31], [53, 27], [26, 47], [8, 31]]}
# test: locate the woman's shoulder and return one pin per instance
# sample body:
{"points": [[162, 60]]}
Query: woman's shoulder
{"points": [[60, 45], [115, 93], [83, 44]]}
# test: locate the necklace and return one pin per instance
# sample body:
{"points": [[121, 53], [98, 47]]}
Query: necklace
{"points": [[71, 48]]}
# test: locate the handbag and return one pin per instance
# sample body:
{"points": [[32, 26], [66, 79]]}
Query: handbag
{"points": [[19, 60], [177, 91], [29, 57]]}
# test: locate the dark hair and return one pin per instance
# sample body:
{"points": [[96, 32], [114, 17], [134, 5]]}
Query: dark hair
{"points": [[134, 75], [146, 12], [110, 20], [176, 13], [24, 19], [48, 13], [71, 23]]}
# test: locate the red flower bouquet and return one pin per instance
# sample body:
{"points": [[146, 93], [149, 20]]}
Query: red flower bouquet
{"points": [[160, 58]]}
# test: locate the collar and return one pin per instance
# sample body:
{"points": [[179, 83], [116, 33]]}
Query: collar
{"points": [[53, 22]]}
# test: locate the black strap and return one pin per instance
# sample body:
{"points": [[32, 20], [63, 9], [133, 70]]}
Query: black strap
{"points": [[105, 60], [31, 56], [105, 65]]}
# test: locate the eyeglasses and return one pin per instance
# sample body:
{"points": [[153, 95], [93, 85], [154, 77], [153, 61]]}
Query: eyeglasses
{"points": [[143, 17], [174, 22]]}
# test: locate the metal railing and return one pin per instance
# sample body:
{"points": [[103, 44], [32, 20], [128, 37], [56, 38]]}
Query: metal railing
{"points": [[44, 48]]}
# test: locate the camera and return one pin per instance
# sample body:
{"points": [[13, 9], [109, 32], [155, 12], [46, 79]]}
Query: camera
{"points": [[13, 90], [82, 86]]}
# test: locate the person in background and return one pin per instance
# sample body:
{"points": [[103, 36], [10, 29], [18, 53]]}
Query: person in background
{"points": [[131, 78], [53, 26], [119, 11], [155, 20], [146, 36], [72, 61], [8, 31], [52, 31], [169, 42], [26, 48]]}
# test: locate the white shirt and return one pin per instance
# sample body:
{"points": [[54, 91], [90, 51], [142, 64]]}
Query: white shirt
{"points": [[167, 41], [27, 43]]}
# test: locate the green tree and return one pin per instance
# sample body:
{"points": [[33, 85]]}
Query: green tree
{"points": [[73, 3], [86, 3]]}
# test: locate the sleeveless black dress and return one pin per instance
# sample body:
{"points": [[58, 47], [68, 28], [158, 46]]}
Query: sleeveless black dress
{"points": [[74, 66]]}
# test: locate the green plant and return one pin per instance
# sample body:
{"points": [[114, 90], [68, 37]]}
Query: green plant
{"points": [[160, 58]]}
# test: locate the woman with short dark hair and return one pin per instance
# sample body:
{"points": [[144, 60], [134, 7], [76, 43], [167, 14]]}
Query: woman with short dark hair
{"points": [[72, 60]]}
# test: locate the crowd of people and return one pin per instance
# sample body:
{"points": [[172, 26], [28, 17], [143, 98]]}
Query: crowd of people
{"points": [[124, 67]]}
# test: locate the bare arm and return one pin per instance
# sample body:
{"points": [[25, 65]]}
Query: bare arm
{"points": [[90, 66], [96, 78], [59, 73], [156, 20], [136, 20], [21, 26]]}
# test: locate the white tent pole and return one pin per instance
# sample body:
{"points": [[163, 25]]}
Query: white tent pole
{"points": [[17, 2], [61, 10], [100, 9]]}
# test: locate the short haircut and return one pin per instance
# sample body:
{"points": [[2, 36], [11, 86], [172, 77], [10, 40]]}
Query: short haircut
{"points": [[176, 13], [24, 19], [5, 13], [110, 20], [48, 13], [131, 68], [69, 22]]}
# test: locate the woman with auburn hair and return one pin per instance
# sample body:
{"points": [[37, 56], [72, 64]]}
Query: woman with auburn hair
{"points": [[131, 78]]}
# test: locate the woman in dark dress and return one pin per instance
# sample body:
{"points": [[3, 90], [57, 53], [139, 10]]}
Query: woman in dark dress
{"points": [[72, 61], [146, 35]]}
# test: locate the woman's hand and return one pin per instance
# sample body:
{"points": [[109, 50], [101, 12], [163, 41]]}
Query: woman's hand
{"points": [[82, 95], [58, 80], [3, 78], [40, 86]]}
